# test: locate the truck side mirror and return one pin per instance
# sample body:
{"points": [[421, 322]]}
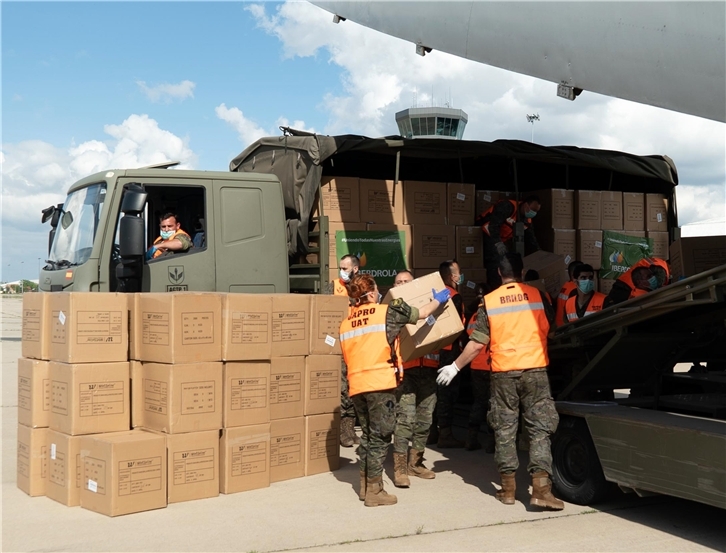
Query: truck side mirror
{"points": [[134, 199], [131, 236]]}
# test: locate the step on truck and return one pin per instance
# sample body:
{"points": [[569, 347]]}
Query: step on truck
{"points": [[627, 416]]}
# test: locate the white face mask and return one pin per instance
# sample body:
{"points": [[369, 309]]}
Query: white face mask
{"points": [[345, 275]]}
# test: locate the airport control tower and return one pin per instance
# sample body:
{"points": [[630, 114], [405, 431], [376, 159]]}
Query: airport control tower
{"points": [[432, 122]]}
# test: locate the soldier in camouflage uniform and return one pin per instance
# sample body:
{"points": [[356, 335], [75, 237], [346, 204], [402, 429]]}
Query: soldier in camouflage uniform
{"points": [[514, 320], [368, 371], [348, 437]]}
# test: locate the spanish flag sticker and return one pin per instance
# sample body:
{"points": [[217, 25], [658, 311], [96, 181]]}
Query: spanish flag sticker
{"points": [[69, 275]]}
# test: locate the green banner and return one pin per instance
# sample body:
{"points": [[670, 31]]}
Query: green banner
{"points": [[382, 253], [620, 252]]}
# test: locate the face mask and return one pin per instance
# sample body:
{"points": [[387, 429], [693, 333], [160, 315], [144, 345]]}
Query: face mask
{"points": [[530, 214], [344, 276], [585, 286], [380, 297], [653, 283], [461, 279], [166, 234]]}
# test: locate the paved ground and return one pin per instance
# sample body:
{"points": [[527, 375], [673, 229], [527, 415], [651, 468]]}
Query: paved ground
{"points": [[454, 512]]}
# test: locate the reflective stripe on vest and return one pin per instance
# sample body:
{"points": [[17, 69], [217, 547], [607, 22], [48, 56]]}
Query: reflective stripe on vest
{"points": [[562, 298], [430, 360], [159, 240], [483, 361], [518, 327], [366, 350], [595, 305]]}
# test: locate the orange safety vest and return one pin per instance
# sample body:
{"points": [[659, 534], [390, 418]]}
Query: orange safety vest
{"points": [[157, 253], [463, 318], [483, 361], [339, 288], [430, 360], [507, 229], [594, 306], [627, 277], [518, 327], [562, 297], [366, 350]]}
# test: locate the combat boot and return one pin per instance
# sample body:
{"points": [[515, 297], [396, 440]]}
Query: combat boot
{"points": [[542, 492], [509, 486], [362, 489], [400, 471], [472, 440], [416, 466], [447, 439], [433, 437], [376, 495], [347, 431]]}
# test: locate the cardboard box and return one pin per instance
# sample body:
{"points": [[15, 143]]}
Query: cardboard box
{"points": [[589, 247], [660, 244], [408, 237], [484, 200], [34, 392], [88, 398], [246, 393], [381, 201], [322, 384], [612, 210], [192, 465], [633, 211], [460, 204], [246, 327], [656, 211], [588, 209], [432, 245], [469, 289], [322, 443], [287, 386], [123, 472], [137, 393], [557, 211], [562, 242], [470, 247], [63, 482], [185, 397], [551, 268], [326, 314], [605, 285], [438, 330], [134, 327], [88, 327], [180, 327], [333, 229], [287, 449], [290, 325], [32, 460], [424, 203], [341, 199], [692, 255], [245, 458], [36, 326]]}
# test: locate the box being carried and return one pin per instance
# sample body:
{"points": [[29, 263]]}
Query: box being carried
{"points": [[438, 330]]}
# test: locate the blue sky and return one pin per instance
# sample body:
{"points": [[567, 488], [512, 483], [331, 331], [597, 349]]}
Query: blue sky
{"points": [[91, 86]]}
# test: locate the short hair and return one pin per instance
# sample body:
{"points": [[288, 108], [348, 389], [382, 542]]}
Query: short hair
{"points": [[353, 259], [532, 198], [404, 271], [572, 266], [446, 266], [167, 215], [359, 286], [582, 268], [511, 266]]}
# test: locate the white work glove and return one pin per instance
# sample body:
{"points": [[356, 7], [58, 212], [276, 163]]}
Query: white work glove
{"points": [[447, 374]]}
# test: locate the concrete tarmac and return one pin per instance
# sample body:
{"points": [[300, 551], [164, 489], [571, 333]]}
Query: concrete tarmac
{"points": [[455, 512]]}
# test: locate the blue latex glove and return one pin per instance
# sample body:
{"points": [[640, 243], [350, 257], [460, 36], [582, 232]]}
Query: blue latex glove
{"points": [[150, 253], [441, 297]]}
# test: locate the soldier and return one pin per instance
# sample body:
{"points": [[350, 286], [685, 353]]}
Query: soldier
{"points": [[368, 338], [514, 320], [416, 400]]}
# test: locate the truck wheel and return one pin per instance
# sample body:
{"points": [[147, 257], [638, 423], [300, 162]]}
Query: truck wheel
{"points": [[578, 476]]}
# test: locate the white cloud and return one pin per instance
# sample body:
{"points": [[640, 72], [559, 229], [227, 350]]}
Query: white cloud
{"points": [[168, 92], [248, 130]]}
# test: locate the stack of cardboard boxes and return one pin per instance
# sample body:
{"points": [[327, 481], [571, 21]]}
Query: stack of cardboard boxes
{"points": [[130, 402]]}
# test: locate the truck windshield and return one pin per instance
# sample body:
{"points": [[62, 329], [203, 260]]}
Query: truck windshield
{"points": [[77, 227]]}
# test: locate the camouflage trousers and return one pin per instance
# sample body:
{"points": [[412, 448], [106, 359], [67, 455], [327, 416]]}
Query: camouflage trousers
{"points": [[416, 400], [377, 417], [447, 395], [346, 405], [480, 383], [528, 391]]}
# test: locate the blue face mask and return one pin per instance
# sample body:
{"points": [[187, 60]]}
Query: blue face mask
{"points": [[585, 286], [653, 283], [530, 214], [166, 234]]}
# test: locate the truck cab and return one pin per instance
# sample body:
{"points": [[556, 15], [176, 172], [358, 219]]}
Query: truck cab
{"points": [[236, 221]]}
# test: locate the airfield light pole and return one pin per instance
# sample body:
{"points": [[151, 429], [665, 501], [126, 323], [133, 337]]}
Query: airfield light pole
{"points": [[531, 119]]}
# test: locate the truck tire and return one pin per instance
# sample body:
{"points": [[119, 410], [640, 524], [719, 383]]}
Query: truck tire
{"points": [[578, 476]]}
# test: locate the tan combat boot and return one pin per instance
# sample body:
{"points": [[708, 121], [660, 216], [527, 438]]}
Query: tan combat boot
{"points": [[362, 489], [447, 439], [416, 466], [509, 486], [400, 471], [472, 440], [376, 495], [347, 431], [542, 492]]}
